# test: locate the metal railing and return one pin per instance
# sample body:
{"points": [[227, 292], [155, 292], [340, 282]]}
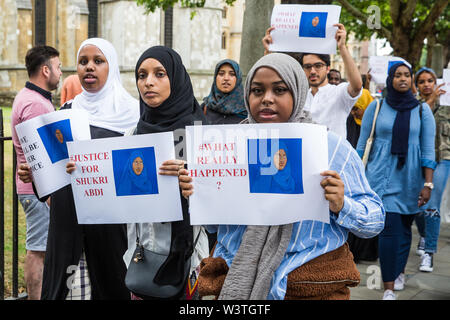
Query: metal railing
{"points": [[15, 218]]}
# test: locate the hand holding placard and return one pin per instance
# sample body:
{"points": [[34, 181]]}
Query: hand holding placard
{"points": [[304, 28]]}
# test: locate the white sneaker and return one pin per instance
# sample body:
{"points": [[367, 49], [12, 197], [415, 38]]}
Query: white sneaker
{"points": [[399, 283], [420, 247], [389, 295], [426, 265]]}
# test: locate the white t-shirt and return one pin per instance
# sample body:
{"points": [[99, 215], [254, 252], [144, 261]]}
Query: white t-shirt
{"points": [[331, 106]]}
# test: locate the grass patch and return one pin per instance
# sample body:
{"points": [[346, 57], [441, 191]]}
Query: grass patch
{"points": [[8, 219]]}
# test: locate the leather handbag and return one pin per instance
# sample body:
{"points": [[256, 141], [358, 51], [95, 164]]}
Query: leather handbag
{"points": [[369, 141], [142, 270]]}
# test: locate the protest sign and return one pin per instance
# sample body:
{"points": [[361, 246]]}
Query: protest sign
{"points": [[44, 143], [304, 28], [261, 174], [116, 180], [379, 67], [444, 99]]}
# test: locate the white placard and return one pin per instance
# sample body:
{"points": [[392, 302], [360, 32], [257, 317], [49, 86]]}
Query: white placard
{"points": [[379, 66], [304, 28], [117, 180], [44, 144], [444, 99], [236, 180]]}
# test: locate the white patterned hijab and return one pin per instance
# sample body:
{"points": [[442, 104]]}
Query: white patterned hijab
{"points": [[112, 107], [291, 72]]}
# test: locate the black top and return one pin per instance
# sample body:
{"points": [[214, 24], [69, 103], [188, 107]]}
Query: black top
{"points": [[179, 110], [104, 246], [215, 117], [353, 131]]}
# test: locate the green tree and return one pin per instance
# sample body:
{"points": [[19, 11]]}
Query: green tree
{"points": [[405, 24]]}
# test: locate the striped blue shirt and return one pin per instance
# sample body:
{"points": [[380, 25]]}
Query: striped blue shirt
{"points": [[363, 214]]}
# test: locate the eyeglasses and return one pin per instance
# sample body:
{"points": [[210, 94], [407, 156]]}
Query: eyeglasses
{"points": [[316, 66]]}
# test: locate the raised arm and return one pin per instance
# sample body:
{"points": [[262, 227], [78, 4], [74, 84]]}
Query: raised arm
{"points": [[351, 70], [267, 40]]}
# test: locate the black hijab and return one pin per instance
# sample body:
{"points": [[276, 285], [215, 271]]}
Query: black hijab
{"points": [[403, 103], [180, 109]]}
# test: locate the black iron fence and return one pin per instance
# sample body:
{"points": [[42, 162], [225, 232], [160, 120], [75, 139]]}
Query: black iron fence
{"points": [[15, 220]]}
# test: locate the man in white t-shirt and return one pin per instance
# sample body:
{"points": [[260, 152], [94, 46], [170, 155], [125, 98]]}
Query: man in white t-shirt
{"points": [[329, 104]]}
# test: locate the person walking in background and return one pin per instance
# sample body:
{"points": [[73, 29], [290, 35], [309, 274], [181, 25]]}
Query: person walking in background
{"points": [[44, 71], [225, 102], [429, 220], [328, 104], [71, 87], [402, 150]]}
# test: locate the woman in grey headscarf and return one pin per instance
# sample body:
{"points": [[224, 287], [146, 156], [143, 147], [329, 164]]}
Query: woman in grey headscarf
{"points": [[306, 259]]}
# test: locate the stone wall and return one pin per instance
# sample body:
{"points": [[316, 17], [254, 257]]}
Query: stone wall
{"points": [[125, 24], [15, 39], [67, 27], [197, 40]]}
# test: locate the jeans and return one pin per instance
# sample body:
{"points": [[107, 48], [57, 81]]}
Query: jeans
{"points": [[429, 221]]}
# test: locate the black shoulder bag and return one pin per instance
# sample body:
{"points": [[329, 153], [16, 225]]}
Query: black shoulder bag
{"points": [[142, 270]]}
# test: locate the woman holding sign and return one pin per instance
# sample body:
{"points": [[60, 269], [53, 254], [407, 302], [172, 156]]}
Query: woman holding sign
{"points": [[168, 104], [306, 259], [85, 261], [400, 168]]}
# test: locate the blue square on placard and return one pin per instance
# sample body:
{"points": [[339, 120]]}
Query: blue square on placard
{"points": [[135, 171], [313, 24], [54, 136]]}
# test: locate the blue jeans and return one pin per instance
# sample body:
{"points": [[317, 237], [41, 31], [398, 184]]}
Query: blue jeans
{"points": [[429, 221]]}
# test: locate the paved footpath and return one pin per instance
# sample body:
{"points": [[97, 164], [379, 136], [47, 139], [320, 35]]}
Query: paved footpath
{"points": [[419, 285]]}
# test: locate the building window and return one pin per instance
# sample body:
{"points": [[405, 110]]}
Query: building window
{"points": [[93, 19], [224, 40], [40, 27], [224, 12]]}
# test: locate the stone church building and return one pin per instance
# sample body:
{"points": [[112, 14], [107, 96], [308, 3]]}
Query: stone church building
{"points": [[213, 34]]}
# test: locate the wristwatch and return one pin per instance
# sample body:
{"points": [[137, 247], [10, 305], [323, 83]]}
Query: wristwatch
{"points": [[429, 185]]}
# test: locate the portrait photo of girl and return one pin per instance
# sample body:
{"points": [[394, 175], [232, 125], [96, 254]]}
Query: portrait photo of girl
{"points": [[54, 136], [278, 168]]}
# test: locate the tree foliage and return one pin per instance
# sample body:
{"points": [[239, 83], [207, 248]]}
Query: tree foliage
{"points": [[405, 24]]}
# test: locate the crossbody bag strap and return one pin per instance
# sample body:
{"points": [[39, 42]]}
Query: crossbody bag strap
{"points": [[138, 241], [377, 110], [137, 235]]}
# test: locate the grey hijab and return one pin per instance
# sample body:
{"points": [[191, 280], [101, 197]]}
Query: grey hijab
{"points": [[292, 74], [263, 247]]}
